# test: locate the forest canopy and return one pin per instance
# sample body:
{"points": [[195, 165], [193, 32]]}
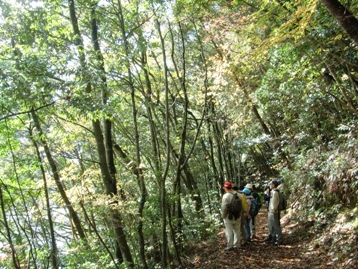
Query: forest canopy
{"points": [[121, 120]]}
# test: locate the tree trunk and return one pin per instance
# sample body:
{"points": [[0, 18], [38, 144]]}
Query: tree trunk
{"points": [[139, 174], [177, 235], [111, 190], [210, 154], [15, 260], [155, 253], [261, 121], [109, 181], [27, 217], [218, 137], [344, 17], [168, 152], [54, 250], [56, 176]]}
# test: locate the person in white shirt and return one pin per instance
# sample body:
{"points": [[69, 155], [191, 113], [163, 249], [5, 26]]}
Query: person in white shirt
{"points": [[274, 215], [232, 224]]}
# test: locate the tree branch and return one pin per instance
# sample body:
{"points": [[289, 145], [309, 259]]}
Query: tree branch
{"points": [[26, 112]]}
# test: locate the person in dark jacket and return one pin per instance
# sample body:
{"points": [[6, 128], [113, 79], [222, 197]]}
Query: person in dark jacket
{"points": [[256, 196]]}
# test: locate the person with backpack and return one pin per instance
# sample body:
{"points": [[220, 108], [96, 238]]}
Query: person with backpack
{"points": [[231, 210], [275, 232], [248, 214], [256, 196], [245, 208]]}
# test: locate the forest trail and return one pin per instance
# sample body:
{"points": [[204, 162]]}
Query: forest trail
{"points": [[297, 250]]}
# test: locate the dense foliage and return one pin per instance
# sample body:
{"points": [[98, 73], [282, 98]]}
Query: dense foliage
{"points": [[120, 121]]}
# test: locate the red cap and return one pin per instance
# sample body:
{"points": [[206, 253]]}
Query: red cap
{"points": [[228, 185]]}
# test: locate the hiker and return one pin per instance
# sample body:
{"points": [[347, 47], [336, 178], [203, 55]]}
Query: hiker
{"points": [[232, 224], [256, 196], [245, 208], [247, 215], [275, 232]]}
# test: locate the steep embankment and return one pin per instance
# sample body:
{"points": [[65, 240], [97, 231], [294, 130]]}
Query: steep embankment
{"points": [[310, 245]]}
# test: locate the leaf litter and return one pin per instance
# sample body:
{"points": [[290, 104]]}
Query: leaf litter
{"points": [[304, 247]]}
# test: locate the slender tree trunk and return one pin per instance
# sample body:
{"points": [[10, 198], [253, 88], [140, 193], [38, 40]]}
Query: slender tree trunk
{"points": [[262, 123], [150, 105], [226, 154], [258, 117], [98, 235], [54, 250], [26, 214], [15, 260], [189, 180], [56, 176], [122, 252], [218, 138], [140, 176], [230, 163], [182, 163], [177, 232], [194, 190], [168, 151], [211, 153], [344, 17]]}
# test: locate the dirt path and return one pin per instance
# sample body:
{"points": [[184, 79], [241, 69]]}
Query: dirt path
{"points": [[295, 252]]}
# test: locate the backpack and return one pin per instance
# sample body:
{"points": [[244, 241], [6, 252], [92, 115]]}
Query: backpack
{"points": [[254, 209], [235, 206], [245, 205], [283, 202], [258, 199]]}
